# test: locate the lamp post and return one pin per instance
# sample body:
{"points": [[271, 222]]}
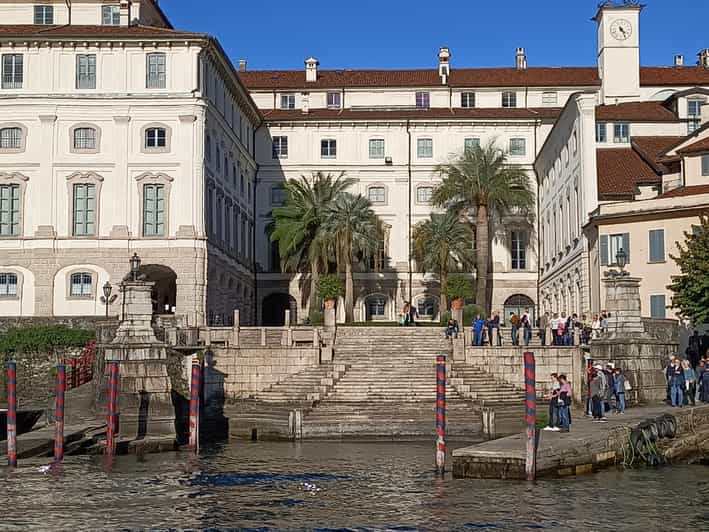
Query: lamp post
{"points": [[134, 266], [621, 258], [107, 299]]}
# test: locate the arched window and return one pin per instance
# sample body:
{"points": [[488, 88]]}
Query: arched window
{"points": [[375, 306], [519, 304], [427, 307], [11, 138], [85, 138], [8, 284], [155, 137], [81, 284]]}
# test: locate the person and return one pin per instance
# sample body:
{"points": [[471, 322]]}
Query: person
{"points": [[596, 397], [564, 403], [493, 329], [619, 391], [561, 330], [526, 329], [406, 311], [704, 380], [515, 322], [604, 321], [478, 324], [555, 329], [609, 402], [585, 329], [694, 349], [675, 375], [553, 396], [413, 315], [603, 385], [543, 325], [452, 329], [690, 383], [596, 327]]}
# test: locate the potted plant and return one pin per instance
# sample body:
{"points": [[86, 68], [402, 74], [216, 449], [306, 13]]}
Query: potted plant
{"points": [[330, 287], [458, 289]]}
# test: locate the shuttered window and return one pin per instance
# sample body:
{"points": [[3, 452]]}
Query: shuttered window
{"points": [[84, 214], [705, 165], [657, 245], [156, 71], [12, 71], [9, 210], [657, 306], [610, 245], [153, 210]]}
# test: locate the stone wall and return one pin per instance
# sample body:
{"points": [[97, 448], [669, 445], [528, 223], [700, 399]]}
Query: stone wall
{"points": [[665, 330]]}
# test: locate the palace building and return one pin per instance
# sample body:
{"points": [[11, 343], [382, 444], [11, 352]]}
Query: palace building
{"points": [[122, 135]]}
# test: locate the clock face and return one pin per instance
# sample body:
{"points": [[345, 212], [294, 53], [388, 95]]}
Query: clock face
{"points": [[621, 29]]}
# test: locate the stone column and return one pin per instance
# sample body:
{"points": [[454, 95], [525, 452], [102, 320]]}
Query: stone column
{"points": [[623, 304], [457, 314]]}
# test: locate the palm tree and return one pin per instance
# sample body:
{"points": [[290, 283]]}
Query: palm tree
{"points": [[441, 244], [296, 225], [352, 231], [476, 183]]}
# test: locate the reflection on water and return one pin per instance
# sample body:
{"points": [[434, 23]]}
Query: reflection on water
{"points": [[333, 485]]}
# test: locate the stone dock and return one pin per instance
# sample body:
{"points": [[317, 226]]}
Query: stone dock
{"points": [[587, 447]]}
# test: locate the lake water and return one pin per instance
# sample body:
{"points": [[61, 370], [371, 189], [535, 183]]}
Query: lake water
{"points": [[337, 486]]}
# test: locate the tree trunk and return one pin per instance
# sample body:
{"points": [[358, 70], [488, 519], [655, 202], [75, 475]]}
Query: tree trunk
{"points": [[314, 276], [483, 245], [349, 291], [444, 285]]}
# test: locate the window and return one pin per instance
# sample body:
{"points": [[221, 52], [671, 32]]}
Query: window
{"points": [[8, 284], [156, 137], [11, 138], [509, 99], [278, 195], [609, 246], [694, 107], [424, 148], [471, 143], [657, 307], [287, 101], [427, 307], [43, 14], [621, 133], [12, 71], [81, 284], [549, 98], [518, 147], [693, 125], [84, 138], [84, 212], [328, 148], [86, 71], [377, 194], [467, 99], [9, 210], [423, 100], [705, 165], [375, 307], [376, 148], [153, 210], [242, 188], [279, 149], [155, 71], [208, 147], [334, 100], [111, 15], [424, 194], [601, 133], [657, 245], [519, 250], [219, 159]]}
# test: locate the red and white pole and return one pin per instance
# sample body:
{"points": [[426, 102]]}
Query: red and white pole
{"points": [[59, 413], [12, 414], [195, 387], [441, 414], [530, 385], [112, 407]]}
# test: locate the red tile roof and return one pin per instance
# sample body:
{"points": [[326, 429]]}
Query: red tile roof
{"points": [[697, 147], [687, 75], [685, 191], [413, 114], [652, 149], [620, 171], [80, 31], [636, 112]]}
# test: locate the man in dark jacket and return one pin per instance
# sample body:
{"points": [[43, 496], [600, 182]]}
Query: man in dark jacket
{"points": [[675, 376]]}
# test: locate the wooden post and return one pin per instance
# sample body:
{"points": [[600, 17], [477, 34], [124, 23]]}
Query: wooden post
{"points": [[441, 414], [531, 417], [59, 413], [12, 414]]}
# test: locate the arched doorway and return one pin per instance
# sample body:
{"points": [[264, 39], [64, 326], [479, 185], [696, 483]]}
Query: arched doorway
{"points": [[273, 310], [519, 304], [164, 293], [375, 307]]}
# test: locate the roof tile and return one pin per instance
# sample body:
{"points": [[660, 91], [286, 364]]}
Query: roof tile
{"points": [[693, 190], [620, 171], [636, 112], [696, 147], [414, 114], [75, 30]]}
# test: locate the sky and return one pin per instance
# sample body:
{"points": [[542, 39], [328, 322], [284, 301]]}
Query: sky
{"points": [[388, 34]]}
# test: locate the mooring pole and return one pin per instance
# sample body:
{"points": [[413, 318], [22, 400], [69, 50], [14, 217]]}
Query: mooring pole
{"points": [[531, 417], [59, 413], [112, 407], [194, 404], [12, 413], [441, 414]]}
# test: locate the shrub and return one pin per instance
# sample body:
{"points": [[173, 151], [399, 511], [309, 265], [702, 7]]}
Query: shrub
{"points": [[330, 287], [41, 339], [316, 318], [469, 313], [459, 287]]}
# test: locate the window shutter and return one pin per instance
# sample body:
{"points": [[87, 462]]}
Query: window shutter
{"points": [[604, 250], [626, 246], [657, 306], [657, 245]]}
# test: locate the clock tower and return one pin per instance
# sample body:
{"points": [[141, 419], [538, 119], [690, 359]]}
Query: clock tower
{"points": [[619, 52]]}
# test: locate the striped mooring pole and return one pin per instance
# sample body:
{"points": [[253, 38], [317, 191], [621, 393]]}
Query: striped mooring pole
{"points": [[194, 404], [530, 386], [441, 414], [12, 414], [112, 407], [59, 413]]}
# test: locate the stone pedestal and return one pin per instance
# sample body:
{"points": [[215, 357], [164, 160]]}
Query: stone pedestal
{"points": [[330, 318], [623, 304], [457, 314]]}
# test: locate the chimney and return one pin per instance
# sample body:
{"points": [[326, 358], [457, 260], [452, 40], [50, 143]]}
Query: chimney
{"points": [[311, 69], [444, 67], [679, 60], [305, 102], [125, 14], [704, 58], [521, 59], [242, 65]]}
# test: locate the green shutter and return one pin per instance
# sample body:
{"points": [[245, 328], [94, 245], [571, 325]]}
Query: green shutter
{"points": [[604, 250], [626, 246], [657, 306], [657, 245]]}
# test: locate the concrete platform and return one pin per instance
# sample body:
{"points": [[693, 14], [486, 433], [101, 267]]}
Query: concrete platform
{"points": [[587, 447]]}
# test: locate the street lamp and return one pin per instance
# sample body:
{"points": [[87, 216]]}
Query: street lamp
{"points": [[621, 259], [107, 298], [134, 266]]}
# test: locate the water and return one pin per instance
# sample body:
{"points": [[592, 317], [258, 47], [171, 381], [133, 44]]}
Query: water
{"points": [[342, 486]]}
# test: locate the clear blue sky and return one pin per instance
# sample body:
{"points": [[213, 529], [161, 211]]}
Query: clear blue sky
{"points": [[280, 34]]}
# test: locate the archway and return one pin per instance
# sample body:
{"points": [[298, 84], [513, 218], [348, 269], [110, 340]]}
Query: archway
{"points": [[164, 293], [273, 309], [375, 307], [519, 304]]}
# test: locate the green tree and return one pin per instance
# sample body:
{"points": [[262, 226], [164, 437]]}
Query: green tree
{"points": [[476, 184], [443, 244], [353, 231], [296, 225], [691, 287]]}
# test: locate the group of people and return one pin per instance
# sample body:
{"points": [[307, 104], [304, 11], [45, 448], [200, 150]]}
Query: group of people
{"points": [[486, 331], [559, 404], [607, 387], [687, 383], [560, 330], [409, 314]]}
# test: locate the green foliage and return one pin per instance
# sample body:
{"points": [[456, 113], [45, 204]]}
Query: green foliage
{"points": [[469, 313], [459, 286], [316, 318], [691, 287], [330, 287], [42, 339]]}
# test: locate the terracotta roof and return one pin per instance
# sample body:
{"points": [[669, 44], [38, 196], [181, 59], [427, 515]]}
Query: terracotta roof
{"points": [[636, 112], [685, 191], [80, 31], [652, 149], [460, 77], [413, 114], [687, 75], [697, 147], [620, 171]]}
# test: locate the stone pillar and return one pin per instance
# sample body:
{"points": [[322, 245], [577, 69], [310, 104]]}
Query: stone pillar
{"points": [[457, 314], [235, 329], [330, 318], [623, 304], [286, 319]]}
